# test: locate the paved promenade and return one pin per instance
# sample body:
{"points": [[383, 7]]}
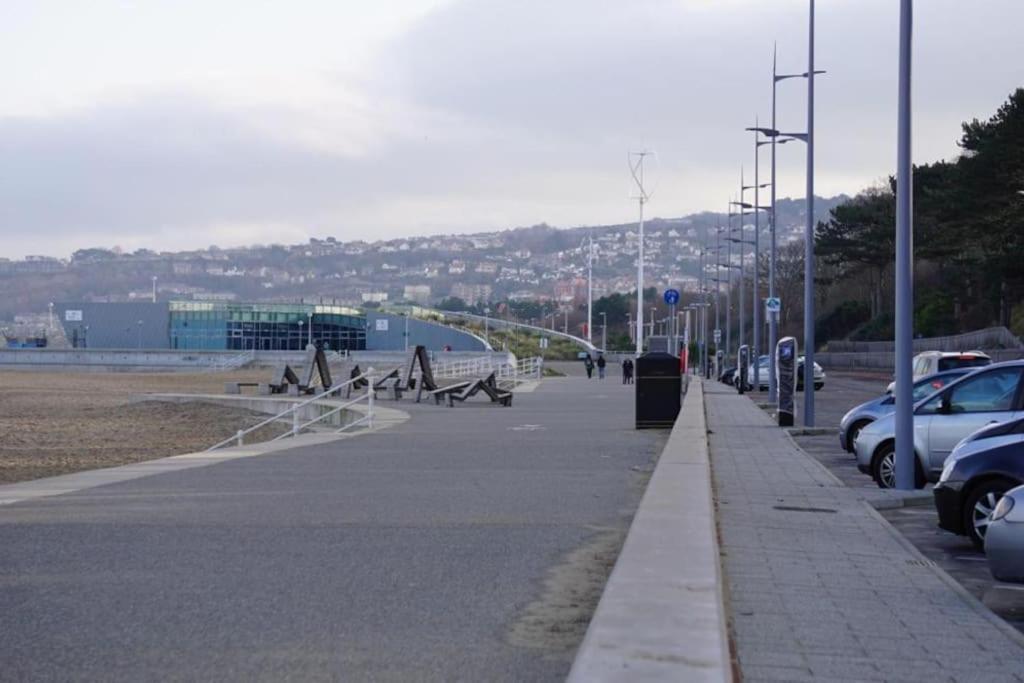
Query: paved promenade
{"points": [[819, 587], [446, 548]]}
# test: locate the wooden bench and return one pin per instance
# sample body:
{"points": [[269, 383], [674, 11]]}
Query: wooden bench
{"points": [[442, 393], [236, 387], [473, 387]]}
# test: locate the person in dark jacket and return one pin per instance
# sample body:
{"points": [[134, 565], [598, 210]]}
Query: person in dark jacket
{"points": [[601, 363], [588, 363], [627, 371]]}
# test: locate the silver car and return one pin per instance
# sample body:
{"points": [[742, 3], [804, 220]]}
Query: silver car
{"points": [[988, 395], [763, 361], [1004, 540], [930, 362], [861, 416]]}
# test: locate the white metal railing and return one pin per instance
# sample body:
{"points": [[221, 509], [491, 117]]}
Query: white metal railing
{"points": [[298, 425], [465, 367], [233, 362], [508, 373]]}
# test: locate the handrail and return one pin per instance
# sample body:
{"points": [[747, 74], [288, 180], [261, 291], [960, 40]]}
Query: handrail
{"points": [[294, 407], [233, 362]]}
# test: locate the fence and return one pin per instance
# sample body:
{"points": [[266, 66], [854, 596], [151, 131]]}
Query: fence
{"points": [[989, 338], [293, 412], [233, 362], [509, 372]]}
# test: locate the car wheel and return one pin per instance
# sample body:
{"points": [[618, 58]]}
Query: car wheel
{"points": [[979, 506], [853, 432], [883, 466], [819, 386]]}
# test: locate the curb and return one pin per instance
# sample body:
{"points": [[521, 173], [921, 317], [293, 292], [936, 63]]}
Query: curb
{"points": [[662, 613]]}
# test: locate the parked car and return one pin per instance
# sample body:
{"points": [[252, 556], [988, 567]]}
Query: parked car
{"points": [[861, 416], [1004, 539], [931, 362], [763, 361], [977, 474], [727, 376], [986, 396]]}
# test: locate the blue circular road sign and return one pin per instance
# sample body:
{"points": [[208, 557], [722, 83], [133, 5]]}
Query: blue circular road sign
{"points": [[671, 296]]}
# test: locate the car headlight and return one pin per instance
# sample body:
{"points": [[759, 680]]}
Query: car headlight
{"points": [[1003, 508], [947, 470]]}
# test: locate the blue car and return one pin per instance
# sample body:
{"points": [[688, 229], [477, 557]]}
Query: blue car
{"points": [[860, 417]]}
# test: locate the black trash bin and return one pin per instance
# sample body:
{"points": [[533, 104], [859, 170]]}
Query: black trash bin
{"points": [[659, 390]]}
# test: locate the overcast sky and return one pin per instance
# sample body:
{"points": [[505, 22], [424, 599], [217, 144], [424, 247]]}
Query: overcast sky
{"points": [[184, 123]]}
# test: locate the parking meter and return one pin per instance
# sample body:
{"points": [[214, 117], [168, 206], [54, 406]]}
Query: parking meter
{"points": [[719, 359], [785, 379], [742, 368]]}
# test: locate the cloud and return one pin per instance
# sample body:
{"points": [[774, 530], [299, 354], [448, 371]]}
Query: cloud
{"points": [[488, 114]]}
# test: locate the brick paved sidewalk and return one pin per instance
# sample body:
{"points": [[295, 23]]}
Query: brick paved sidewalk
{"points": [[819, 586]]}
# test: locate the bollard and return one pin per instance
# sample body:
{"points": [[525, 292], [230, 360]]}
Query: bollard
{"points": [[295, 423], [742, 368], [240, 436], [786, 379]]}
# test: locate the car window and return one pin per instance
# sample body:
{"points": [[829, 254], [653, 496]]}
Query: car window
{"points": [[921, 366], [963, 362], [923, 389], [931, 407], [989, 392]]}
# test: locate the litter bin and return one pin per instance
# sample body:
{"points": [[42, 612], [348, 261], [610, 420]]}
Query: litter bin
{"points": [[659, 389]]}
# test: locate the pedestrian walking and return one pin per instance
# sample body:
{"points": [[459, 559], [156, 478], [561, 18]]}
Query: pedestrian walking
{"points": [[627, 371], [601, 363], [588, 363]]}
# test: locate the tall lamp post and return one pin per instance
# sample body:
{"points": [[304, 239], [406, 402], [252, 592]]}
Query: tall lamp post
{"points": [[757, 186], [773, 323], [903, 391], [809, 237], [637, 171], [590, 287], [604, 331], [728, 285]]}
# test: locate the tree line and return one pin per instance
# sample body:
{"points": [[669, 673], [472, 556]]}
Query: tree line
{"points": [[968, 239]]}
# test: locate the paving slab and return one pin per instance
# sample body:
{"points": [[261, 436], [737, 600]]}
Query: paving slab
{"points": [[819, 587]]}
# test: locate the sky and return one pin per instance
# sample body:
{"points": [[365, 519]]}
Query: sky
{"points": [[178, 125]]}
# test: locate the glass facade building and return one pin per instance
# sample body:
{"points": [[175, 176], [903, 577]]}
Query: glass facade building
{"points": [[265, 327]]}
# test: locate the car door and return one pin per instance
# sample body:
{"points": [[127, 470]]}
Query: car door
{"points": [[981, 399]]}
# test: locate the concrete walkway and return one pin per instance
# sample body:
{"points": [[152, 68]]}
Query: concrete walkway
{"points": [[449, 547], [819, 586]]}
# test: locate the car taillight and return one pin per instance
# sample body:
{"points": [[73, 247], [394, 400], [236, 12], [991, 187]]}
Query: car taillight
{"points": [[936, 384], [1003, 508]]}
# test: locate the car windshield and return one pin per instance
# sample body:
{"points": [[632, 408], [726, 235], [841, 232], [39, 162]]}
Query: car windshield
{"points": [[954, 362]]}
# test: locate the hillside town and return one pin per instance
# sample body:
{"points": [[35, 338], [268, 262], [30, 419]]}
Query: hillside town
{"points": [[539, 263]]}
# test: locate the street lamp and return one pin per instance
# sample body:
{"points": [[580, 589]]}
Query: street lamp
{"points": [[604, 331], [310, 327], [154, 289], [773, 324], [301, 321], [809, 236], [140, 334], [903, 391]]}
